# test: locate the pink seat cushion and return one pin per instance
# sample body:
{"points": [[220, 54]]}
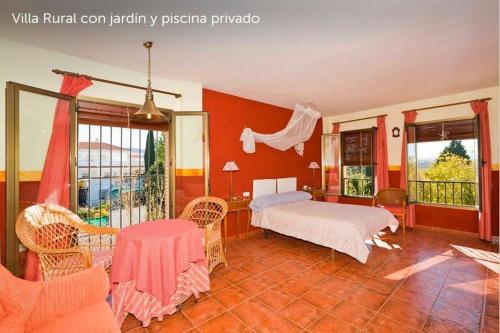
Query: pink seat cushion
{"points": [[393, 209], [17, 299], [95, 318]]}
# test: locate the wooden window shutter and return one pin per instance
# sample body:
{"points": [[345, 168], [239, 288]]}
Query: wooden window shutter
{"points": [[351, 142], [357, 147], [456, 130], [97, 113], [366, 147]]}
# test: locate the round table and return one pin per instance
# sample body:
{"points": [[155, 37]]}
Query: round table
{"points": [[156, 266]]}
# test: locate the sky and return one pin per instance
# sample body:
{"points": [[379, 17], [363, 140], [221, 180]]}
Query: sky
{"points": [[431, 150]]}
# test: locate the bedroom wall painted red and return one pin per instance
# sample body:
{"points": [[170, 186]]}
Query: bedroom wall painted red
{"points": [[228, 116], [187, 189], [2, 221], [394, 178]]}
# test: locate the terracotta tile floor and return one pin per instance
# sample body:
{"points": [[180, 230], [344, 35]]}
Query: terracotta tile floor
{"points": [[424, 281]]}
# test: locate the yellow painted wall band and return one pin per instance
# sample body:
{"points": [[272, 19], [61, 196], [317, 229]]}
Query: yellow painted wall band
{"points": [[24, 176], [189, 172], [30, 176]]}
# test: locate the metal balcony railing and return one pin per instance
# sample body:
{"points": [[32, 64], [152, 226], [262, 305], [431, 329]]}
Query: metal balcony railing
{"points": [[452, 193]]}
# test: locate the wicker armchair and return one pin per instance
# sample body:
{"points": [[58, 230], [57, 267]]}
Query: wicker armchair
{"points": [[208, 213], [394, 200], [64, 243]]}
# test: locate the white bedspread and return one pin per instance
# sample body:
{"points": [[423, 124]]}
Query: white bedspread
{"points": [[341, 227]]}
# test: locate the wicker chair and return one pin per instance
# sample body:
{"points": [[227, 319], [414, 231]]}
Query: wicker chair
{"points": [[64, 243], [208, 213], [394, 200]]}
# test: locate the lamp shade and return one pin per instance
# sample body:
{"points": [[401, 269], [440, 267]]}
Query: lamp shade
{"points": [[313, 165], [149, 113], [230, 166]]}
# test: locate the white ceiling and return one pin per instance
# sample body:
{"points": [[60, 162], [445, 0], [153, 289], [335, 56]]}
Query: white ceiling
{"points": [[342, 55]]}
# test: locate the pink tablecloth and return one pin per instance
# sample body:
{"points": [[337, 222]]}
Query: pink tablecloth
{"points": [[127, 299], [154, 254]]}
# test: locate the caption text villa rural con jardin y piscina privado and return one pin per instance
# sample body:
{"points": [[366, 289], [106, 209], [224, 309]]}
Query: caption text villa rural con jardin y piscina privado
{"points": [[134, 18]]}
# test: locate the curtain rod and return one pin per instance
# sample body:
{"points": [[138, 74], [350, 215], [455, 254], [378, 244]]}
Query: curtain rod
{"points": [[451, 104], [92, 78], [348, 121]]}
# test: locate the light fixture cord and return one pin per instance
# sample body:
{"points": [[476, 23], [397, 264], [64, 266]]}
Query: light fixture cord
{"points": [[149, 73]]}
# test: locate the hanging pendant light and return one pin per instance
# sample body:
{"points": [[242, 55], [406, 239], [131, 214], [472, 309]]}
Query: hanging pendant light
{"points": [[149, 113]]}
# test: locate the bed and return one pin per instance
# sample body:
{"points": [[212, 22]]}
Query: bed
{"points": [[341, 227]]}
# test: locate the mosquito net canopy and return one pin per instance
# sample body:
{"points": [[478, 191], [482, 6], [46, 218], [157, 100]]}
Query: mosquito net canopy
{"points": [[299, 129]]}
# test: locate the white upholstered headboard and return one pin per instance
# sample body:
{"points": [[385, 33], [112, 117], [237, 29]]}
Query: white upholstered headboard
{"points": [[286, 184], [263, 187]]}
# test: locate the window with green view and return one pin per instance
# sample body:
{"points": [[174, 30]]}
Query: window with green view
{"points": [[357, 160], [443, 160]]}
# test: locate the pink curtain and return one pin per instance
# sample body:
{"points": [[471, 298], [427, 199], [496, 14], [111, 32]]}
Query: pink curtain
{"points": [[333, 178], [55, 182], [54, 185], [410, 118], [480, 108], [382, 163]]}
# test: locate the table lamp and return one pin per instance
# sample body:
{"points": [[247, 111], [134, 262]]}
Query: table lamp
{"points": [[230, 167], [314, 166]]}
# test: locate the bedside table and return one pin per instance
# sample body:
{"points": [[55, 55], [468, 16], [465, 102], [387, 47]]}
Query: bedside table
{"points": [[236, 206], [317, 193]]}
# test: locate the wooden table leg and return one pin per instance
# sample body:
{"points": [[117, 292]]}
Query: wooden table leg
{"points": [[225, 232], [248, 222], [237, 224]]}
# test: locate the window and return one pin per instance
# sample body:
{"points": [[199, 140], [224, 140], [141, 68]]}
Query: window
{"points": [[443, 163], [115, 189], [357, 162]]}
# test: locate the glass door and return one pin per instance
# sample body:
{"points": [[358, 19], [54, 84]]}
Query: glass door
{"points": [[412, 184], [29, 120], [330, 144], [189, 158]]}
